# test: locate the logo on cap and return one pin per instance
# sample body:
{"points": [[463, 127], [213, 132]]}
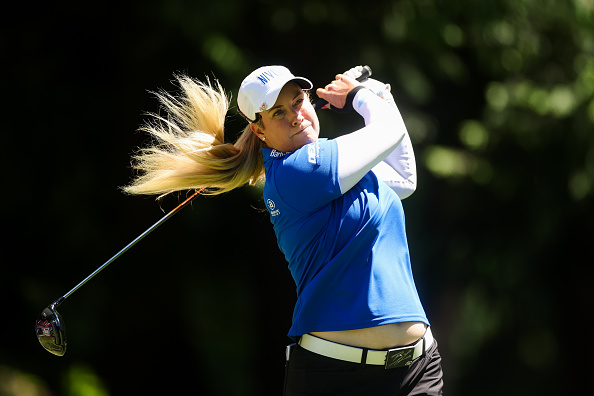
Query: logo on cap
{"points": [[267, 76]]}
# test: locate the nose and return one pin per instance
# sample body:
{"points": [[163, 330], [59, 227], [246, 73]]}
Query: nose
{"points": [[298, 117]]}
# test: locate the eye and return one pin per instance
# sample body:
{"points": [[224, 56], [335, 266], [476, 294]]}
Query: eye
{"points": [[278, 112]]}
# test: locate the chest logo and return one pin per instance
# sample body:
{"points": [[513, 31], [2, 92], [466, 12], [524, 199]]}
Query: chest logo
{"points": [[311, 154]]}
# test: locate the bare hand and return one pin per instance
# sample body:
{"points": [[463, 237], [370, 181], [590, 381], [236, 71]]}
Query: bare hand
{"points": [[336, 92]]}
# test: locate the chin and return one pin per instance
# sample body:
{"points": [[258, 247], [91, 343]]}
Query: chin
{"points": [[310, 138]]}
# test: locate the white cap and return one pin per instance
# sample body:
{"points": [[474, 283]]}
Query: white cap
{"points": [[259, 90]]}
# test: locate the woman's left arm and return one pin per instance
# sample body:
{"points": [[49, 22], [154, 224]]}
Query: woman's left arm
{"points": [[398, 170]]}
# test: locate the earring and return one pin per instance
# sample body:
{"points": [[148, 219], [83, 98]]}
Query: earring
{"points": [[263, 138]]}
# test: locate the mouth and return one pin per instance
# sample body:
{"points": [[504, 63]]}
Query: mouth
{"points": [[303, 128]]}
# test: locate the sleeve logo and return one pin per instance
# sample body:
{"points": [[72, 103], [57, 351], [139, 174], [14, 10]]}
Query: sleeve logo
{"points": [[272, 208]]}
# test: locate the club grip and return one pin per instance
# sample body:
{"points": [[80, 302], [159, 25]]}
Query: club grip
{"points": [[359, 73]]}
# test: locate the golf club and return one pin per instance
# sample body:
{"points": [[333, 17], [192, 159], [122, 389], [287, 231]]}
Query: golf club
{"points": [[49, 327]]}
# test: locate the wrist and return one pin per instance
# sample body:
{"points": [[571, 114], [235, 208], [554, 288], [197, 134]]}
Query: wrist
{"points": [[348, 106]]}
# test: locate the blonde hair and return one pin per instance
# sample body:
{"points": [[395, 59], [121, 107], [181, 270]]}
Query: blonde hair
{"points": [[189, 150]]}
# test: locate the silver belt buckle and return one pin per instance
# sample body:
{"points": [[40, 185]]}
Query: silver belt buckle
{"points": [[399, 357], [404, 356]]}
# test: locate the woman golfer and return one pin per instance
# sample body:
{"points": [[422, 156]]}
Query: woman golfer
{"points": [[335, 205]]}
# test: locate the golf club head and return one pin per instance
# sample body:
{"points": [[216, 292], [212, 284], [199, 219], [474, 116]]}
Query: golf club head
{"points": [[50, 331]]}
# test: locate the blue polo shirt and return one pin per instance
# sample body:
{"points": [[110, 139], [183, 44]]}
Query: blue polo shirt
{"points": [[347, 253]]}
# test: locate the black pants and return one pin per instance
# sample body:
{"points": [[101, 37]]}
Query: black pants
{"points": [[311, 374]]}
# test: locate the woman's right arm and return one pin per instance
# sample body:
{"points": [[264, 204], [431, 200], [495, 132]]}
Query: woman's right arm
{"points": [[362, 150]]}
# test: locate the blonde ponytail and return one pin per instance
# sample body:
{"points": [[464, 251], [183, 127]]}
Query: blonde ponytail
{"points": [[189, 150]]}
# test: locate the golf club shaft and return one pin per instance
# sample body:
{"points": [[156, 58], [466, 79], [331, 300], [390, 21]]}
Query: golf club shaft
{"points": [[363, 73], [134, 242]]}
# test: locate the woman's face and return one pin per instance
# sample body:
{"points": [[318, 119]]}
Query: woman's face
{"points": [[291, 123]]}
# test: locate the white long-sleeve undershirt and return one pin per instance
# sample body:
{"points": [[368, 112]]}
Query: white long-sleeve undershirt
{"points": [[383, 146]]}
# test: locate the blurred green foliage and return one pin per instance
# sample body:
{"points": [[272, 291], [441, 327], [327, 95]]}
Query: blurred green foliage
{"points": [[498, 97]]}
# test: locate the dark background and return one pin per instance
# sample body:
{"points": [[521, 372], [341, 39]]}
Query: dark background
{"points": [[498, 97]]}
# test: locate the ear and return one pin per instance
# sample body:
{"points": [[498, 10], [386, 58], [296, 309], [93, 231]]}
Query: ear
{"points": [[257, 130]]}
